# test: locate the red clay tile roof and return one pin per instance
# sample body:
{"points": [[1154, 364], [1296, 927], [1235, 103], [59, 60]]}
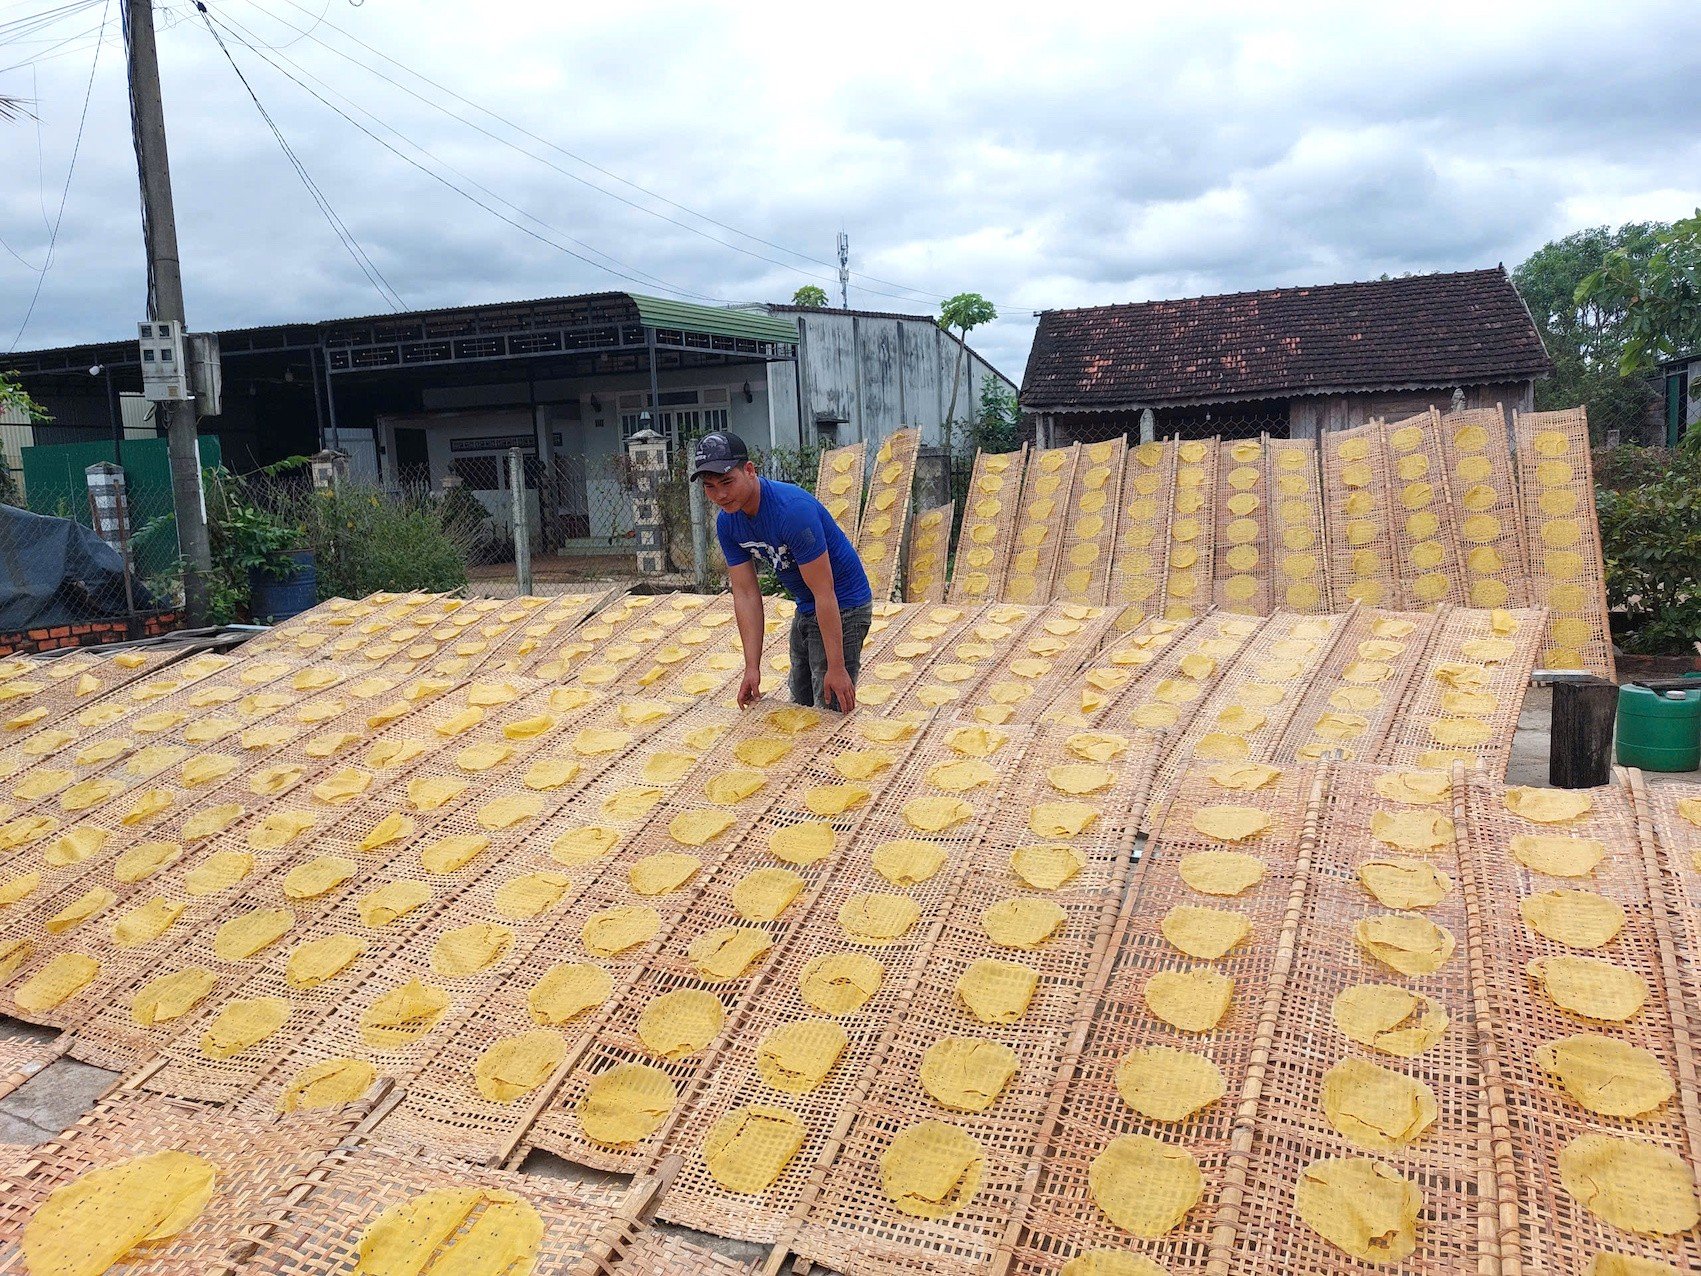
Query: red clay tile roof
{"points": [[1466, 328]]}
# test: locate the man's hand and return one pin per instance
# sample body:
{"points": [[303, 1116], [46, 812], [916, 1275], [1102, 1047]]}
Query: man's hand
{"points": [[750, 688], [838, 691]]}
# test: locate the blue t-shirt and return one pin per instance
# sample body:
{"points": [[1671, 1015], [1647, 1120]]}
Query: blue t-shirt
{"points": [[791, 528]]}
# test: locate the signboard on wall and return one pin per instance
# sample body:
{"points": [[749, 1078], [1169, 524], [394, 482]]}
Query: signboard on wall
{"points": [[494, 443]]}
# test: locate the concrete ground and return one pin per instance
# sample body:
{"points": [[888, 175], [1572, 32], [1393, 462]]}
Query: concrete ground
{"points": [[55, 1097]]}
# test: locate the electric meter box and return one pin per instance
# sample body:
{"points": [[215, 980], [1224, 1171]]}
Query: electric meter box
{"points": [[165, 370]]}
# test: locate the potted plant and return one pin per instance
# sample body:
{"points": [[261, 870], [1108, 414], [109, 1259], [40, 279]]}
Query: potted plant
{"points": [[269, 555]]}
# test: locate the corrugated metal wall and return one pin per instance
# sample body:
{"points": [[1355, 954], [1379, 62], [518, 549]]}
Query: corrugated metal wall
{"points": [[877, 373]]}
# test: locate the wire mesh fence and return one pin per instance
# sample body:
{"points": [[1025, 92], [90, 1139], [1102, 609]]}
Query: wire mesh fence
{"points": [[75, 579]]}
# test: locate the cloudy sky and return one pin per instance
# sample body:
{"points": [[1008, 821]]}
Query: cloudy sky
{"points": [[1043, 156]]}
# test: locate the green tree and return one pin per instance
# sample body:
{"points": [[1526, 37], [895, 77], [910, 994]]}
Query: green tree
{"points": [[1585, 336], [811, 295], [13, 396], [964, 312], [1656, 286], [998, 427]]}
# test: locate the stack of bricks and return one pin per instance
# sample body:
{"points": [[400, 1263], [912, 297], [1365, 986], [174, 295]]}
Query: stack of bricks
{"points": [[94, 633]]}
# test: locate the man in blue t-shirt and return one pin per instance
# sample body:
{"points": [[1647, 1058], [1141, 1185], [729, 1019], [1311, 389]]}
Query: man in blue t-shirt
{"points": [[792, 532]]}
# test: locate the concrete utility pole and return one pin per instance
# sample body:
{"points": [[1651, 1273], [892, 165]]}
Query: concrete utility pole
{"points": [[148, 115], [844, 270]]}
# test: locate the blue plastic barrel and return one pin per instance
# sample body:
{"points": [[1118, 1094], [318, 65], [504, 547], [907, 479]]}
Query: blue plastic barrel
{"points": [[275, 600]]}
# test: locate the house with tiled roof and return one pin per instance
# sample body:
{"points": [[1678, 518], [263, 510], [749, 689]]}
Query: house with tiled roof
{"points": [[1287, 361]]}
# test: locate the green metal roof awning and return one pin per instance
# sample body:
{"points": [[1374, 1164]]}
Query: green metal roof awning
{"points": [[748, 325]]}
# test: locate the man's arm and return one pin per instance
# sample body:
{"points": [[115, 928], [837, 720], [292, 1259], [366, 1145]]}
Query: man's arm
{"points": [[837, 688], [747, 610]]}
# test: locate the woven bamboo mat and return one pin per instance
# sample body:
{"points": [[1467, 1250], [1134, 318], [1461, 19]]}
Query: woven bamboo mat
{"points": [[1487, 716], [617, 805], [924, 574], [885, 519], [1142, 538], [656, 1253], [344, 617], [533, 622], [697, 1199], [1241, 509], [838, 485], [422, 632], [458, 638], [1298, 565], [699, 651], [1482, 481], [1059, 648], [1562, 533], [1556, 1231], [918, 638], [1084, 564], [1357, 694], [490, 639], [1423, 513], [240, 804], [849, 1223], [618, 1039], [316, 618], [1190, 554], [622, 642], [1063, 1221], [1038, 545], [1250, 708], [44, 701], [446, 897], [1357, 507], [988, 534], [1011, 662], [341, 630], [39, 694], [21, 1058], [1671, 818], [345, 833], [1166, 693], [254, 1164], [1449, 1162], [1126, 660], [441, 1108], [578, 1225]]}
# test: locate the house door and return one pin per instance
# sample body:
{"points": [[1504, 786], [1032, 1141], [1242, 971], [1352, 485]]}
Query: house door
{"points": [[413, 462]]}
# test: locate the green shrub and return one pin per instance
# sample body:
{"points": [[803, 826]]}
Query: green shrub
{"points": [[365, 540], [1630, 465], [1651, 540]]}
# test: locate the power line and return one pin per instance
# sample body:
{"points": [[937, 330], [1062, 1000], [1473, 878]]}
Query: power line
{"points": [[438, 177], [362, 259], [832, 268], [18, 30], [647, 278], [65, 194]]}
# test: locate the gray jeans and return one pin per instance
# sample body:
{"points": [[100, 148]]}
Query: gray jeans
{"points": [[809, 657]]}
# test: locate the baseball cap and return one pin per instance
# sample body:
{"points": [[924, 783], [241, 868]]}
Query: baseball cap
{"points": [[717, 453]]}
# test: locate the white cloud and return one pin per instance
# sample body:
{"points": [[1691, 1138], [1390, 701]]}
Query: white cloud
{"points": [[1044, 157]]}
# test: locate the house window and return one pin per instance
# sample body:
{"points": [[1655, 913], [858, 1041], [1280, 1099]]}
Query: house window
{"points": [[681, 416], [480, 473]]}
